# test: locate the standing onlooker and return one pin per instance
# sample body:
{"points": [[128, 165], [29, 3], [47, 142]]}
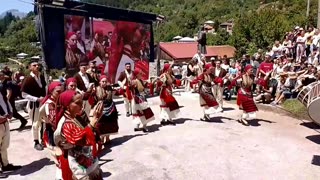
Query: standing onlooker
{"points": [[5, 114], [33, 89], [8, 91], [202, 40]]}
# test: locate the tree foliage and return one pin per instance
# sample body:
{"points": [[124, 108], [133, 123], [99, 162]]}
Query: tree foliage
{"points": [[18, 37], [258, 23]]}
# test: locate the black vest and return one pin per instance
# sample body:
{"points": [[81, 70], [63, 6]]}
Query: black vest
{"points": [[189, 72]]}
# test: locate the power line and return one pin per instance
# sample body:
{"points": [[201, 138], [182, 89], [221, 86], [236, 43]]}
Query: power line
{"points": [[26, 2]]}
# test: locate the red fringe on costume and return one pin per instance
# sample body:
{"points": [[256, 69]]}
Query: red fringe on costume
{"points": [[246, 102], [170, 101]]}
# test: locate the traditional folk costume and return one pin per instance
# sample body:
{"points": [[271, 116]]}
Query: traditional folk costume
{"points": [[33, 88], [207, 99], [84, 81], [108, 123], [76, 138], [47, 112], [245, 99], [5, 111], [141, 112], [124, 81], [219, 78], [169, 106]]}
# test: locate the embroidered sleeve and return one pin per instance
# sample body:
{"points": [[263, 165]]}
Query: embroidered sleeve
{"points": [[77, 136]]}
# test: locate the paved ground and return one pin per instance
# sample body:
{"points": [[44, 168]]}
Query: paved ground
{"points": [[273, 147]]}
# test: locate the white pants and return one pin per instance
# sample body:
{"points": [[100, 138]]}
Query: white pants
{"points": [[36, 121], [127, 105], [218, 93], [189, 80], [4, 142]]}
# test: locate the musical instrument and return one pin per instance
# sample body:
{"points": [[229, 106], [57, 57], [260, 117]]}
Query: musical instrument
{"points": [[309, 96]]}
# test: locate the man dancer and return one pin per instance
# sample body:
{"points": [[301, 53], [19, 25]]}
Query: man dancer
{"points": [[124, 81], [33, 89], [85, 85], [219, 75], [5, 114]]}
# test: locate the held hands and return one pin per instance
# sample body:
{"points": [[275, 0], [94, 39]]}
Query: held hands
{"points": [[97, 114]]}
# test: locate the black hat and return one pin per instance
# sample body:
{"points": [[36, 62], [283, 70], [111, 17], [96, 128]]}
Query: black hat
{"points": [[84, 63]]}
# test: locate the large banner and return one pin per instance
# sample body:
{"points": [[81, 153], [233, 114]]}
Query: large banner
{"points": [[110, 44]]}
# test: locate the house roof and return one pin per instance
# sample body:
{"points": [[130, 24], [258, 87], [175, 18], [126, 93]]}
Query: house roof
{"points": [[188, 50]]}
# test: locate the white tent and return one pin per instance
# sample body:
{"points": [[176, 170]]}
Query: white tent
{"points": [[35, 57], [186, 39], [22, 55], [177, 38]]}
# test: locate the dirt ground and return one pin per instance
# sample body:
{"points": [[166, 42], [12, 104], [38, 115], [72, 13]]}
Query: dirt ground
{"points": [[274, 146]]}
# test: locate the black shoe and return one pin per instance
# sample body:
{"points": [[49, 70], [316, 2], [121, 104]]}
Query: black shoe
{"points": [[2, 176], [38, 147], [164, 122], [202, 119], [10, 167], [23, 124], [145, 130], [171, 123], [137, 129], [128, 114]]}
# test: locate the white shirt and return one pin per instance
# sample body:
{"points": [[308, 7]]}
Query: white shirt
{"points": [[4, 106], [225, 66], [198, 57], [277, 50], [217, 72], [85, 79], [28, 96]]}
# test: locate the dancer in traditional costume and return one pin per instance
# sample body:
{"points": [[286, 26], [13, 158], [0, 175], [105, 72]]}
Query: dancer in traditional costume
{"points": [[47, 113], [108, 124], [245, 99], [207, 100], [169, 106], [141, 112], [33, 89], [76, 139], [124, 81]]}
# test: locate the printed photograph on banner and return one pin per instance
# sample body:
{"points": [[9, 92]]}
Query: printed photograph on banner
{"points": [[110, 44], [78, 39]]}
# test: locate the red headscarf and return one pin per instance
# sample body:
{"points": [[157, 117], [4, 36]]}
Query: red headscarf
{"points": [[166, 67], [64, 101], [51, 87], [70, 80], [70, 34], [208, 66], [247, 68], [103, 77]]}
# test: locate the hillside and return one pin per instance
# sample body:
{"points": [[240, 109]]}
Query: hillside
{"points": [[14, 12], [257, 22]]}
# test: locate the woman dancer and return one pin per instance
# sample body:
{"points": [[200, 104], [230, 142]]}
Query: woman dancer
{"points": [[207, 100], [245, 99], [169, 106], [141, 112], [108, 123], [48, 114], [76, 139]]}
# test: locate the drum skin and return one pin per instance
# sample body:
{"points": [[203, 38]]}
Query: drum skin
{"points": [[313, 110]]}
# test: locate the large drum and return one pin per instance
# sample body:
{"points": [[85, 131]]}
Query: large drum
{"points": [[309, 96]]}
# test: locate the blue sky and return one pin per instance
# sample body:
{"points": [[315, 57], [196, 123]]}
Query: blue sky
{"points": [[16, 4]]}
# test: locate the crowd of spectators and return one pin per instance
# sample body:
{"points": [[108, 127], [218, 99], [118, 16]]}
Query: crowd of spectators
{"points": [[281, 71]]}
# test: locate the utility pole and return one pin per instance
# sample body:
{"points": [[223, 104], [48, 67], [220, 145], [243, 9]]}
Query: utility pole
{"points": [[318, 22]]}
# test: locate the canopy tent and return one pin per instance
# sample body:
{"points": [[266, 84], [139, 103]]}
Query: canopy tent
{"points": [[22, 55], [209, 22]]}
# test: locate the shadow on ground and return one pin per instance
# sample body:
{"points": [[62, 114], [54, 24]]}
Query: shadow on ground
{"points": [[256, 122], [32, 167], [24, 129], [314, 138], [311, 125], [218, 119], [316, 160], [156, 127]]}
